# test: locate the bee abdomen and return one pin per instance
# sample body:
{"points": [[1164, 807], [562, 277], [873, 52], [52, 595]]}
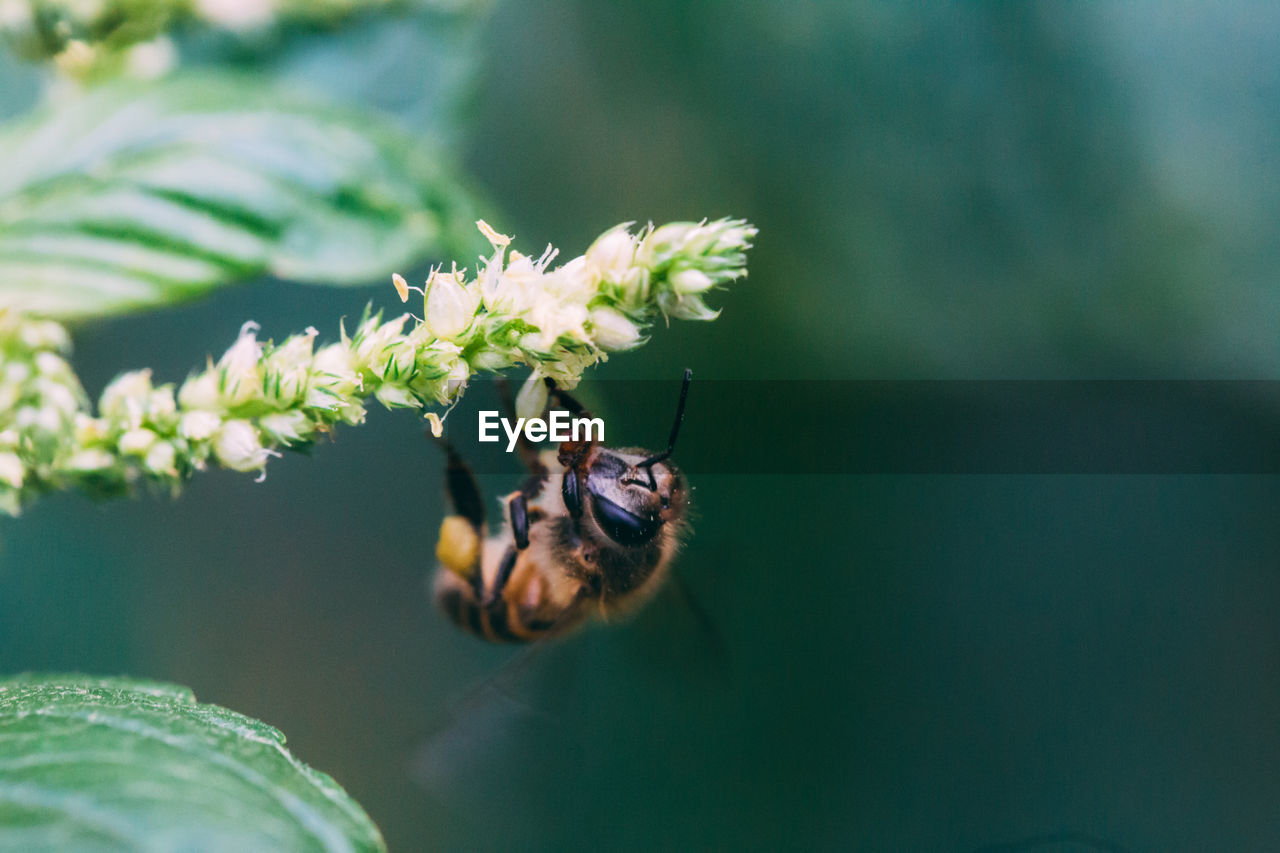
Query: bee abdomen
{"points": [[499, 622]]}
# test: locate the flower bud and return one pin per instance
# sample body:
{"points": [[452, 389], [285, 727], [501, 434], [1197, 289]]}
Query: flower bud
{"points": [[288, 368], [685, 307], [136, 442], [125, 399], [46, 335], [661, 243], [198, 425], [287, 427], [457, 378], [16, 372], [396, 397], [200, 392], [53, 366], [12, 470], [161, 459], [55, 395], [576, 281], [239, 380], [88, 430], [734, 235], [691, 282], [450, 306], [531, 402], [611, 330], [613, 253], [161, 409], [90, 460], [38, 418], [240, 15], [238, 447]]}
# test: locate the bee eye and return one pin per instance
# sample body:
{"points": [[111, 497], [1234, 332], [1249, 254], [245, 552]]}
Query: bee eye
{"points": [[623, 526]]}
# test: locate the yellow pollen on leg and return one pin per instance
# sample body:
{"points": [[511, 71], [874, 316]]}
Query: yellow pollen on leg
{"points": [[458, 546]]}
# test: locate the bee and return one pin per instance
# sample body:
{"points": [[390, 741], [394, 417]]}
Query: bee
{"points": [[591, 534]]}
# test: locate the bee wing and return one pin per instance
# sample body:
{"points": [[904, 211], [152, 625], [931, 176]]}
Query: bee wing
{"points": [[501, 760], [492, 760], [678, 620]]}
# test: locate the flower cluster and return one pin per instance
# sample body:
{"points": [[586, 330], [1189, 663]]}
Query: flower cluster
{"points": [[93, 38], [260, 397]]}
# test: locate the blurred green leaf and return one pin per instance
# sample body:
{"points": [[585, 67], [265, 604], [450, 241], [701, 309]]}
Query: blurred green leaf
{"points": [[108, 763], [135, 195]]}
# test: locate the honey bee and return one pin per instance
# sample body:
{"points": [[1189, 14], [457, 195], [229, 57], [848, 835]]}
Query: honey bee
{"points": [[591, 534]]}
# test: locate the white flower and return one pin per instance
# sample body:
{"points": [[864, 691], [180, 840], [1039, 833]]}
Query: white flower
{"points": [[613, 252], [238, 447], [42, 419], [554, 319], [457, 378], [450, 305], [287, 427], [575, 281], [691, 282], [531, 402], [17, 372], [200, 392], [151, 59], [57, 396], [161, 408], [351, 412], [288, 368], [46, 335], [686, 307], [237, 14], [662, 241], [124, 400], [611, 330], [89, 430], [517, 286], [52, 366], [90, 460], [162, 459], [734, 236], [12, 470], [371, 342], [394, 397], [239, 379], [136, 442], [333, 378], [15, 15], [198, 425]]}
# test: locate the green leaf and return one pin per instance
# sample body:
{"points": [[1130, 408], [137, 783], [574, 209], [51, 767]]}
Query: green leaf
{"points": [[136, 195], [105, 763]]}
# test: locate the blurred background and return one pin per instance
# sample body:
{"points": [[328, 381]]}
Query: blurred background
{"points": [[909, 662]]}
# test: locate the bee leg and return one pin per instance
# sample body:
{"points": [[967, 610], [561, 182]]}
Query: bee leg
{"points": [[572, 453], [518, 509], [565, 398], [493, 595], [464, 491], [461, 534]]}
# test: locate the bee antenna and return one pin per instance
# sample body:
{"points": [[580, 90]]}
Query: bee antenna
{"points": [[675, 427]]}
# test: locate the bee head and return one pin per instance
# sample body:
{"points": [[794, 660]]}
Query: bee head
{"points": [[632, 492], [631, 498]]}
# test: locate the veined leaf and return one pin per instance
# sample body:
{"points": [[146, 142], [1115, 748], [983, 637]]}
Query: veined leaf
{"points": [[106, 763], [134, 195]]}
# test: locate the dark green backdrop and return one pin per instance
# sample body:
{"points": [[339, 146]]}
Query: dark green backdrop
{"points": [[1031, 190]]}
